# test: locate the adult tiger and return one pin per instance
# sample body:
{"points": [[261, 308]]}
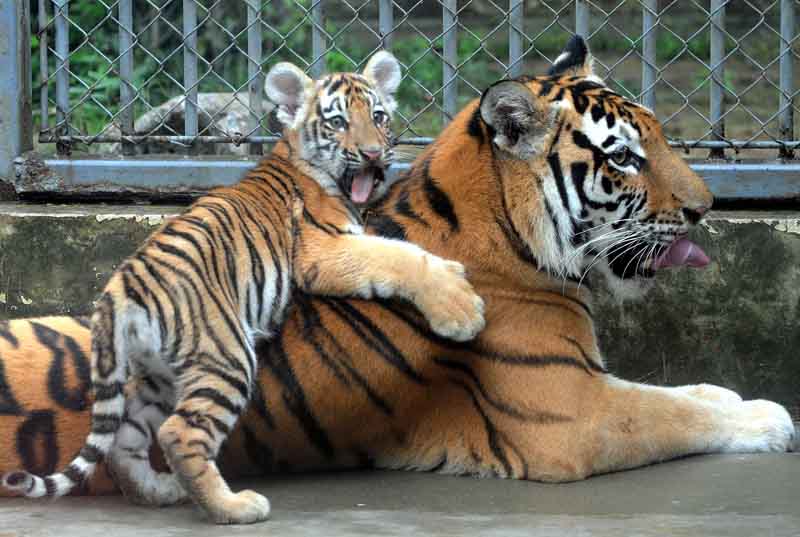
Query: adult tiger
{"points": [[540, 180], [183, 314]]}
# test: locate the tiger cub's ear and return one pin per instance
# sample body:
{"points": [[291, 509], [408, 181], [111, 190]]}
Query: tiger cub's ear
{"points": [[288, 87], [520, 122], [575, 60], [383, 70]]}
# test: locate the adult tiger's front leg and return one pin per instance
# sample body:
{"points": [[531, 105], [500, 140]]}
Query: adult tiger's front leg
{"points": [[636, 424]]}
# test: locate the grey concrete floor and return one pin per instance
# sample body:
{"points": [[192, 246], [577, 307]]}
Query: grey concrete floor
{"points": [[730, 495]]}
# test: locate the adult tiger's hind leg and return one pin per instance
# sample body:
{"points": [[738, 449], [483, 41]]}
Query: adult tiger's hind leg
{"points": [[129, 460], [209, 404]]}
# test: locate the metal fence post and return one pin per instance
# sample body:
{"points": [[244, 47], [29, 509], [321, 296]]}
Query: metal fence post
{"points": [[318, 42], [515, 21], [190, 70], [649, 70], [255, 88], [582, 18], [386, 23], [717, 96], [15, 85], [126, 89], [786, 121], [450, 58]]}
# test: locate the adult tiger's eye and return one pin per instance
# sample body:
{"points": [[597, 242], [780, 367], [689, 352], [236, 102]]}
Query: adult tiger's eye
{"points": [[621, 157], [378, 117]]}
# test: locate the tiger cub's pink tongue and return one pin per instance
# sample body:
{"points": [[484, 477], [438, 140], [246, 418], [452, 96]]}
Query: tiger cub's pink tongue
{"points": [[361, 188], [682, 252]]}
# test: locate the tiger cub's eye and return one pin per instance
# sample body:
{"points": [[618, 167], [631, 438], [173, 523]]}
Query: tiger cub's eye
{"points": [[337, 123], [379, 117]]}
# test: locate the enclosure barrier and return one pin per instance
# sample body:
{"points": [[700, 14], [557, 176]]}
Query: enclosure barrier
{"points": [[719, 74]]}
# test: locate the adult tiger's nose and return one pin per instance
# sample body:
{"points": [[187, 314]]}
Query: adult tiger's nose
{"points": [[371, 154]]}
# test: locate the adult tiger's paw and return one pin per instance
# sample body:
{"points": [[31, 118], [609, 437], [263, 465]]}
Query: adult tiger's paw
{"points": [[759, 426], [449, 302], [712, 393], [245, 507]]}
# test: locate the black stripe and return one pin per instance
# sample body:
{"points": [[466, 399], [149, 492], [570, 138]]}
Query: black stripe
{"points": [[385, 226], [374, 338], [538, 417], [438, 199], [6, 334], [275, 358], [532, 360], [403, 207], [491, 432], [103, 392], [555, 166], [135, 424], [50, 486], [218, 398], [238, 385], [105, 423], [74, 474], [589, 362]]}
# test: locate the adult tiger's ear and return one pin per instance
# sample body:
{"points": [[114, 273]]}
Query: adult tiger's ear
{"points": [[575, 60], [383, 70], [288, 87], [520, 122]]}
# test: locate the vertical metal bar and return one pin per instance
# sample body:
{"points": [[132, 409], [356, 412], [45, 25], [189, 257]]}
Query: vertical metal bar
{"points": [[717, 74], [386, 22], [190, 67], [649, 71], [450, 61], [786, 118], [254, 73], [44, 38], [515, 20], [318, 41], [61, 10], [126, 89], [15, 84], [581, 18]]}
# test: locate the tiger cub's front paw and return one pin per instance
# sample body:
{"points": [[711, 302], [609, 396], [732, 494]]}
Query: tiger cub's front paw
{"points": [[449, 302]]}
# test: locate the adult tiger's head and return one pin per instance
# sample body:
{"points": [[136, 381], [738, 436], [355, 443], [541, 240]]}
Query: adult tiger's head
{"points": [[611, 193], [338, 127]]}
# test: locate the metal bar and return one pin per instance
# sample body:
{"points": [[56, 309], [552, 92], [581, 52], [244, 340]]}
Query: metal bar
{"points": [[386, 22], [44, 38], [318, 41], [727, 181], [190, 68], [786, 118], [15, 85], [581, 18], [649, 70], [515, 21], [126, 90], [254, 73], [450, 58], [421, 140], [717, 96], [61, 10]]}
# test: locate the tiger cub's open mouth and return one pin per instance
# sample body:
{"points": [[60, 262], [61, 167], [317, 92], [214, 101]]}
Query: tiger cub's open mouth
{"points": [[360, 183]]}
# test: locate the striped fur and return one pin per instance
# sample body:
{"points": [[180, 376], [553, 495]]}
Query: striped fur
{"points": [[351, 383], [184, 313]]}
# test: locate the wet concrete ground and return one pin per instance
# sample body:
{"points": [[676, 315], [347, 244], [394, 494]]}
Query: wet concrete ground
{"points": [[730, 495]]}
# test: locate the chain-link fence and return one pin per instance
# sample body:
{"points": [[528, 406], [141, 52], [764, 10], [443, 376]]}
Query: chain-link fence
{"points": [[719, 73], [126, 77]]}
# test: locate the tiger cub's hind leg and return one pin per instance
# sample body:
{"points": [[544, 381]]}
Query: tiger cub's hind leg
{"points": [[209, 403], [129, 460]]}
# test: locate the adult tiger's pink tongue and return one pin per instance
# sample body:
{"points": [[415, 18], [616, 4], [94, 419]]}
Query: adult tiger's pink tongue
{"points": [[682, 252], [361, 187]]}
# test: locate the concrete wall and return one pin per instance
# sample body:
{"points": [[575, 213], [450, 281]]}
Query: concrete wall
{"points": [[736, 323]]}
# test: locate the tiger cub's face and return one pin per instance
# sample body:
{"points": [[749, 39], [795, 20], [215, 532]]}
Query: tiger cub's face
{"points": [[339, 125], [614, 195]]}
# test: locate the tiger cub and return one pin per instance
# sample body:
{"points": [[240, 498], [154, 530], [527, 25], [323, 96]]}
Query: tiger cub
{"points": [[183, 313]]}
